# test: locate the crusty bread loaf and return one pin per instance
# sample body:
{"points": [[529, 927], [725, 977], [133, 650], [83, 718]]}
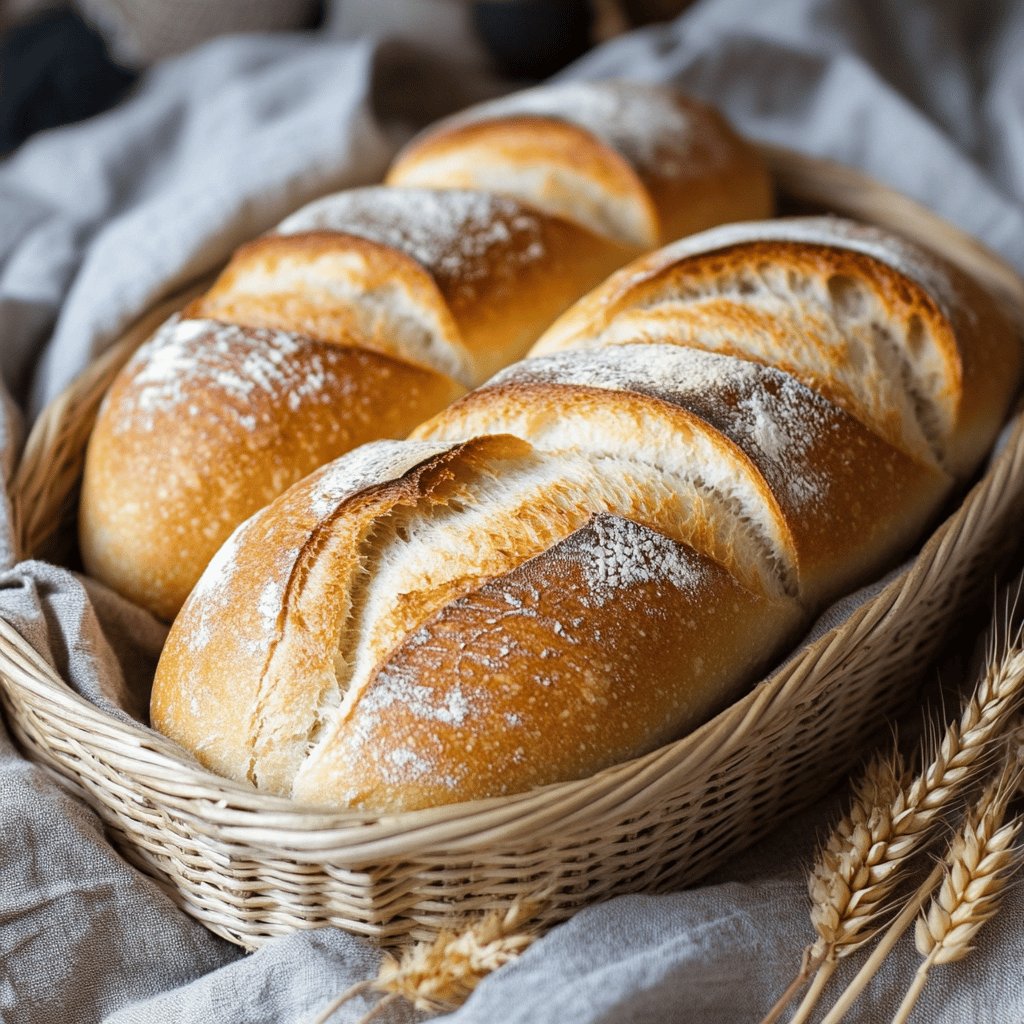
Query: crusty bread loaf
{"points": [[356, 318], [636, 162], [603, 545]]}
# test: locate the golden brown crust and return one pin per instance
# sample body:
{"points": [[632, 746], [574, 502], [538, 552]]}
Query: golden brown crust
{"points": [[554, 685], [321, 284], [215, 689], [580, 178], [639, 163], [461, 280], [265, 700], [899, 338], [206, 425], [840, 502]]}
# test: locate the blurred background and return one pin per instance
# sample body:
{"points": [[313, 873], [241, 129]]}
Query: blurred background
{"points": [[61, 62]]}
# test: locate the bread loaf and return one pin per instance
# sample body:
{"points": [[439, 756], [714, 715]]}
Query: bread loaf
{"points": [[359, 316], [604, 544], [639, 163]]}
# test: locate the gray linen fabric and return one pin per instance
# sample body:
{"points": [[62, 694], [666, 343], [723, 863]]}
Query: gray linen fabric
{"points": [[98, 220]]}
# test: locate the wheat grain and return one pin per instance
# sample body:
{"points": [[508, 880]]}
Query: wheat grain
{"points": [[440, 975], [844, 880], [980, 859], [979, 862]]}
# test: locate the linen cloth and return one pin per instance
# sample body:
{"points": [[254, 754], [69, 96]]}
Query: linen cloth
{"points": [[100, 219]]}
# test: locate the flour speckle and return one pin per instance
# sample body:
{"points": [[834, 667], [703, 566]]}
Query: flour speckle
{"points": [[240, 366], [457, 234], [777, 420], [649, 126], [616, 554]]}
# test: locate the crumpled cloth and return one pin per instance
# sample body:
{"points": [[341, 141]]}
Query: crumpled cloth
{"points": [[100, 219]]}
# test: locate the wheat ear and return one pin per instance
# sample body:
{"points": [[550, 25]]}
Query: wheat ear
{"points": [[1000, 791], [849, 878], [854, 879], [832, 884], [440, 975], [980, 860]]}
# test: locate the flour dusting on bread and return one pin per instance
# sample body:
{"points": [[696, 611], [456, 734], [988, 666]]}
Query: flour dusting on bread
{"points": [[457, 233]]}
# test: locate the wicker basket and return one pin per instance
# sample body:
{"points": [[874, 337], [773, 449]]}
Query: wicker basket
{"points": [[251, 866]]}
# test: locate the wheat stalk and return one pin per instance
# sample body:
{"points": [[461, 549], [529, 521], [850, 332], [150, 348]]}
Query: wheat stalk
{"points": [[440, 975], [837, 880], [847, 881], [865, 857], [979, 862], [850, 878], [987, 805]]}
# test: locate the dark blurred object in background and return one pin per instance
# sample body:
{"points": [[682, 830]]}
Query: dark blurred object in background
{"points": [[54, 69], [533, 38], [536, 38], [642, 12]]}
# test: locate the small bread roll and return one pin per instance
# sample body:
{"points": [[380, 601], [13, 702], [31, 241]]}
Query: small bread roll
{"points": [[458, 280]]}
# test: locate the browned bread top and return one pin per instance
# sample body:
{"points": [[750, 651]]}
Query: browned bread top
{"points": [[639, 163], [423, 607], [458, 280], [896, 335], [789, 492]]}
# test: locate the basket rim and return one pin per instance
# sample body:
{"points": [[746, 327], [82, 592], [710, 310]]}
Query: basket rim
{"points": [[230, 810]]}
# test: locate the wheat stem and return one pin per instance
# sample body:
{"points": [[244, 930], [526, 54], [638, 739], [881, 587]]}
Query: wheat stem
{"points": [[913, 994], [375, 1010], [336, 1004], [810, 1000], [807, 968], [884, 947]]}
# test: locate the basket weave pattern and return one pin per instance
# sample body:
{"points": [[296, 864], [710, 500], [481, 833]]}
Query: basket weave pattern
{"points": [[251, 866]]}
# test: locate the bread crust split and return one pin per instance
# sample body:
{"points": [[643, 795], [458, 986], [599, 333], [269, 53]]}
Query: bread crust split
{"points": [[903, 340], [314, 704]]}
